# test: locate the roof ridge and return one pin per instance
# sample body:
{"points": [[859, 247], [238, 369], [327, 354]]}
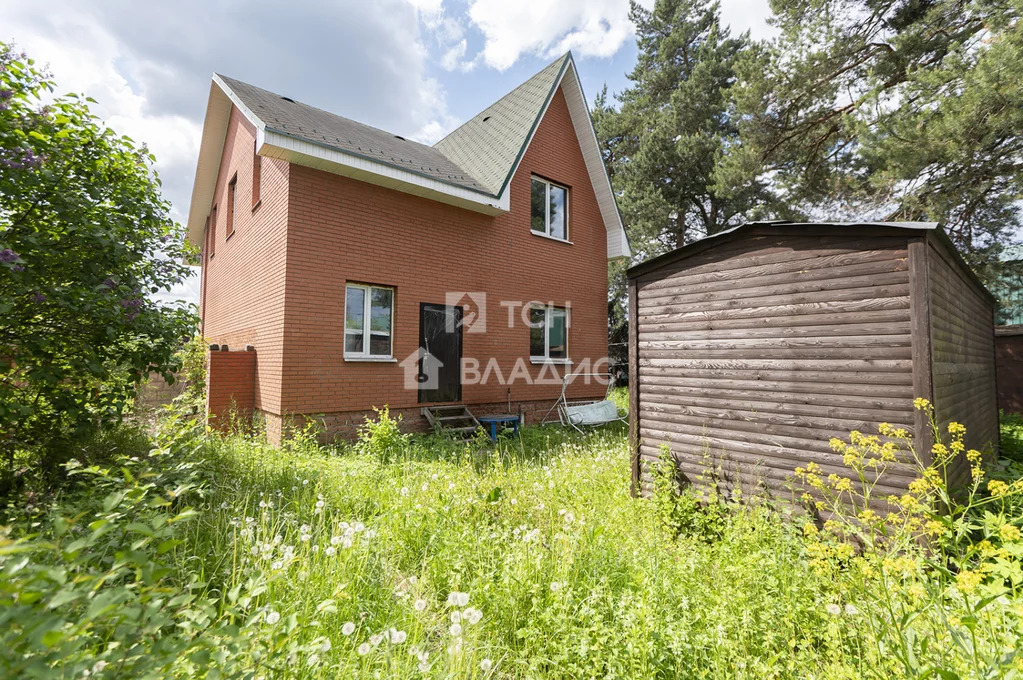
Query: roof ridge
{"points": [[566, 55], [490, 150]]}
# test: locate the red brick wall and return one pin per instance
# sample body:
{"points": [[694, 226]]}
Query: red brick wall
{"points": [[343, 230], [243, 284], [285, 295], [231, 386]]}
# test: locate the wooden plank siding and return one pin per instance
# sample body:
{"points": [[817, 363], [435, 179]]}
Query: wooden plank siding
{"points": [[750, 350], [963, 347], [752, 354]]}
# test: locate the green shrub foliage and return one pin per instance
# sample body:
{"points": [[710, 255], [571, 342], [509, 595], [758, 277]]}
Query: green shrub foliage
{"points": [[85, 241]]}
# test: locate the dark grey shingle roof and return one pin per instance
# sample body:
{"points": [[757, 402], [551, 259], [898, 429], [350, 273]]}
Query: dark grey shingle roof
{"points": [[321, 127]]}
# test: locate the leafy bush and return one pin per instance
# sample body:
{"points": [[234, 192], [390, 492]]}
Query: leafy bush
{"points": [[97, 585], [85, 239], [381, 437]]}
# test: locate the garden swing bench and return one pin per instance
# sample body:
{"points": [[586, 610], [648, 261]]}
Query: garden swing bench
{"points": [[577, 414]]}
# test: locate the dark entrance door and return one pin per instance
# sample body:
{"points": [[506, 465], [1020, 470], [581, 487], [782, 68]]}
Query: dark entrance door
{"points": [[440, 353]]}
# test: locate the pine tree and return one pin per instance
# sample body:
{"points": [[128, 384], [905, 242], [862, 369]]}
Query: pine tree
{"points": [[675, 124], [900, 110]]}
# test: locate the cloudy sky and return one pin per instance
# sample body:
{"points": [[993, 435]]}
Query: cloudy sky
{"points": [[413, 67]]}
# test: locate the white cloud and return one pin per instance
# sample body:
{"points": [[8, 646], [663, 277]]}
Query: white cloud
{"points": [[592, 28], [452, 59], [149, 64]]}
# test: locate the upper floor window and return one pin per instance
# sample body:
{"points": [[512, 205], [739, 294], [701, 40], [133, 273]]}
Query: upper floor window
{"points": [[257, 176], [548, 333], [232, 191], [369, 314], [213, 232], [549, 209]]}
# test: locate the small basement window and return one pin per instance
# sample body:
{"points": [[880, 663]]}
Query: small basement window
{"points": [[548, 334], [548, 209], [369, 316]]}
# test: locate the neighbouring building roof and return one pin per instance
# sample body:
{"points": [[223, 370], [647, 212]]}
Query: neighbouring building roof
{"points": [[471, 167]]}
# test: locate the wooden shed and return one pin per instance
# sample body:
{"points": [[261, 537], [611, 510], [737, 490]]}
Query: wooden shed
{"points": [[748, 350]]}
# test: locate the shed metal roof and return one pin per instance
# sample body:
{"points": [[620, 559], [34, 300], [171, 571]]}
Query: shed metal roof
{"points": [[710, 241]]}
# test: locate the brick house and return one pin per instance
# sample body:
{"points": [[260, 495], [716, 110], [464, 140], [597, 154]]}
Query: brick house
{"points": [[364, 269]]}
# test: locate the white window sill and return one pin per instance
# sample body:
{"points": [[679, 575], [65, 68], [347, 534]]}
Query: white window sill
{"points": [[370, 359], [552, 238], [543, 360]]}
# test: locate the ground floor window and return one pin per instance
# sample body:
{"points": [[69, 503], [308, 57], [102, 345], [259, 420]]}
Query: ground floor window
{"points": [[369, 316], [548, 333]]}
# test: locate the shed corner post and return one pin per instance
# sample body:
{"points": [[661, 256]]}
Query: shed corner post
{"points": [[920, 325], [633, 311]]}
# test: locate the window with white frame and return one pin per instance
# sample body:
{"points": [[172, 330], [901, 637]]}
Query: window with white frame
{"points": [[369, 317], [548, 209], [548, 333]]}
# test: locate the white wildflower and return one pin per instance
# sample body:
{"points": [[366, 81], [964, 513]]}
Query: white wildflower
{"points": [[364, 648], [834, 609], [420, 605], [272, 617], [330, 550], [456, 617], [348, 629], [456, 629], [326, 646], [851, 610], [486, 665], [473, 616], [397, 636]]}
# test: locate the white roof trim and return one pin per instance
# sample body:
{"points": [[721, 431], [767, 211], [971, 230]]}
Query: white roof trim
{"points": [[304, 152], [617, 242]]}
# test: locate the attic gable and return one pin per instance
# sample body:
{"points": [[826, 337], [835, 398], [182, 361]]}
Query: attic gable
{"points": [[490, 144]]}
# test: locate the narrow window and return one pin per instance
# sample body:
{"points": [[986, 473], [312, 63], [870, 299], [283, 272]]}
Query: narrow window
{"points": [[548, 209], [369, 314], [232, 190], [213, 232], [257, 176], [548, 333]]}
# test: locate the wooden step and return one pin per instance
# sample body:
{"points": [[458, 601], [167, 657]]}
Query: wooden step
{"points": [[455, 418]]}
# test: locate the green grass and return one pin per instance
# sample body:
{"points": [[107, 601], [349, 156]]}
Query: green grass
{"points": [[409, 557]]}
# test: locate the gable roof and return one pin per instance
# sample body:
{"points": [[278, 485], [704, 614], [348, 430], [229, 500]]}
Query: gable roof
{"points": [[490, 144], [471, 167]]}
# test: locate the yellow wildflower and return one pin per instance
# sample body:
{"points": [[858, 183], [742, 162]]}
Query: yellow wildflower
{"points": [[939, 450], [956, 428], [1009, 532], [919, 486], [967, 581], [837, 444], [974, 456], [809, 529], [921, 404], [934, 528], [997, 487]]}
